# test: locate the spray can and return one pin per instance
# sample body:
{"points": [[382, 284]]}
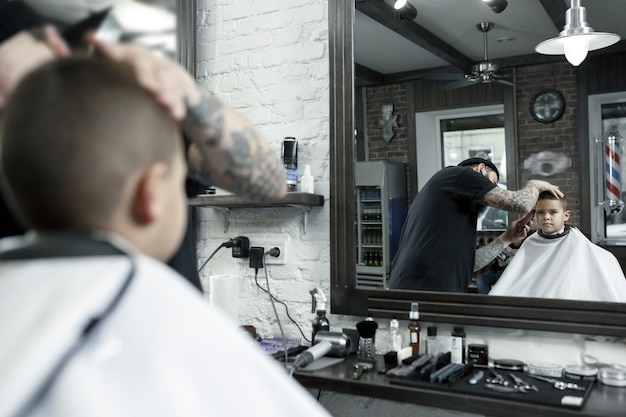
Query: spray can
{"points": [[320, 322]]}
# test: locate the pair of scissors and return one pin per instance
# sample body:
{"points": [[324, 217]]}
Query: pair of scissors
{"points": [[521, 384], [559, 384], [497, 379]]}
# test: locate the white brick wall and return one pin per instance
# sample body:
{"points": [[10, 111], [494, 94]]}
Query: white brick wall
{"points": [[277, 75], [269, 59]]}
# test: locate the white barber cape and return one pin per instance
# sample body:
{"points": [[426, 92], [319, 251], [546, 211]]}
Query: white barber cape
{"points": [[162, 352], [568, 267]]}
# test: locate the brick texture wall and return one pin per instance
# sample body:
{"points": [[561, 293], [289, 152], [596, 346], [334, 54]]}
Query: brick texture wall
{"points": [[532, 136], [397, 149], [559, 136]]}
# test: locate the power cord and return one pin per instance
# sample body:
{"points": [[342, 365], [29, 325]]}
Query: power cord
{"points": [[257, 257], [286, 310], [280, 326], [228, 244]]}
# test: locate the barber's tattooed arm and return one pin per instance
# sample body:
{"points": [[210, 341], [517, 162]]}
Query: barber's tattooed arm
{"points": [[521, 201], [228, 152], [487, 253]]}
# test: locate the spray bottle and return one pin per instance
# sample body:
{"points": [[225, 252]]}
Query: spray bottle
{"points": [[320, 322]]}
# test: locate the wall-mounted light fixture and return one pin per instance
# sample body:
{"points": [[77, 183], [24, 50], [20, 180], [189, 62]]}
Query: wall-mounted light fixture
{"points": [[405, 10], [577, 38], [497, 6]]}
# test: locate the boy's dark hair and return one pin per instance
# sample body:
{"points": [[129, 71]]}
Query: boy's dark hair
{"points": [[75, 131], [547, 195]]}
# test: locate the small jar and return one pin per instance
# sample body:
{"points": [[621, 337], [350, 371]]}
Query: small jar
{"points": [[612, 376], [479, 355], [582, 372]]}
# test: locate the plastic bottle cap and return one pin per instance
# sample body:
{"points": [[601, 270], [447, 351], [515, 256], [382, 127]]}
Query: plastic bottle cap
{"points": [[394, 323], [307, 170], [432, 331]]}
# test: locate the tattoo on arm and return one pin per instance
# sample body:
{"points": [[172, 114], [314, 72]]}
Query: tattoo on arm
{"points": [[232, 155], [517, 201], [487, 253], [509, 251]]}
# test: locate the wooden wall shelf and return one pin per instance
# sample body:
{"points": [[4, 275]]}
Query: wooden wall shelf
{"points": [[303, 201]]}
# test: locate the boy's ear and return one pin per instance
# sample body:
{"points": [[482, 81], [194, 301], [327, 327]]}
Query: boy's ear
{"points": [[566, 215], [147, 200]]}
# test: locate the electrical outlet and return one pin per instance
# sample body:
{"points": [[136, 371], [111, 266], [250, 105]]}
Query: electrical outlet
{"points": [[281, 259]]}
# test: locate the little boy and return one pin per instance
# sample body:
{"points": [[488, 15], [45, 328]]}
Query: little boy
{"points": [[91, 322], [560, 262]]}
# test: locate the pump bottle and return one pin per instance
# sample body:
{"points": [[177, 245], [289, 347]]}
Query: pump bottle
{"points": [[320, 322], [414, 329], [457, 345]]}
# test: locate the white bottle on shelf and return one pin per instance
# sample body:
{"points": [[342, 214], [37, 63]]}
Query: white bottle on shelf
{"points": [[395, 337], [306, 181]]}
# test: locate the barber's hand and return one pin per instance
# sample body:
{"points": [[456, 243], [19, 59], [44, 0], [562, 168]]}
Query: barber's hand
{"points": [[168, 82], [546, 186], [512, 236]]}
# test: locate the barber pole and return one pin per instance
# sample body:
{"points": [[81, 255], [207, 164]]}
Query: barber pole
{"points": [[612, 171]]}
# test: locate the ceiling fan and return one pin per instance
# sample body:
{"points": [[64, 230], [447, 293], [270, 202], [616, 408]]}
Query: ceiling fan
{"points": [[482, 72]]}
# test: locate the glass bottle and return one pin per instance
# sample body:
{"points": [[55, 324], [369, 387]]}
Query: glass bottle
{"points": [[433, 347], [414, 329], [320, 322]]}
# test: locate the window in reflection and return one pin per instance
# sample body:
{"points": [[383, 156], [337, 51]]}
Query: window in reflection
{"points": [[483, 137]]}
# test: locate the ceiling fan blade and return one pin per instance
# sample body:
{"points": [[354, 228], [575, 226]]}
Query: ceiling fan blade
{"points": [[448, 76], [505, 82], [456, 84]]}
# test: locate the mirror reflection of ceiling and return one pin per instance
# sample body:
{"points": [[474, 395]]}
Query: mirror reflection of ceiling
{"points": [[453, 22], [69, 11], [149, 22]]}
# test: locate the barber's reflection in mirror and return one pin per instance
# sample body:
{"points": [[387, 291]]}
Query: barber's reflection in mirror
{"points": [[437, 245]]}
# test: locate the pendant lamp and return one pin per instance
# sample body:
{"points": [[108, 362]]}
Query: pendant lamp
{"points": [[577, 38]]}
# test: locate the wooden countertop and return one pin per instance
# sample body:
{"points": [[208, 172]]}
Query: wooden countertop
{"points": [[603, 400]]}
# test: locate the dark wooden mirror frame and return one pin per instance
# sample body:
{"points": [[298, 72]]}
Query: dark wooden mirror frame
{"points": [[582, 317]]}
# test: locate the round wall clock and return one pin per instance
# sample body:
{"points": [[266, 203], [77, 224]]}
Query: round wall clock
{"points": [[547, 106]]}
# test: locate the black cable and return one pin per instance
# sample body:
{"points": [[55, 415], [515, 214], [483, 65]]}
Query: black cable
{"points": [[286, 308], [280, 326], [228, 244]]}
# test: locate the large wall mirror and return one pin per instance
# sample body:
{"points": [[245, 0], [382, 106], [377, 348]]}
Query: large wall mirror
{"points": [[593, 318]]}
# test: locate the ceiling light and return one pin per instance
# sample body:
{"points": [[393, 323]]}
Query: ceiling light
{"points": [[497, 6], [399, 4], [577, 38], [405, 10]]}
